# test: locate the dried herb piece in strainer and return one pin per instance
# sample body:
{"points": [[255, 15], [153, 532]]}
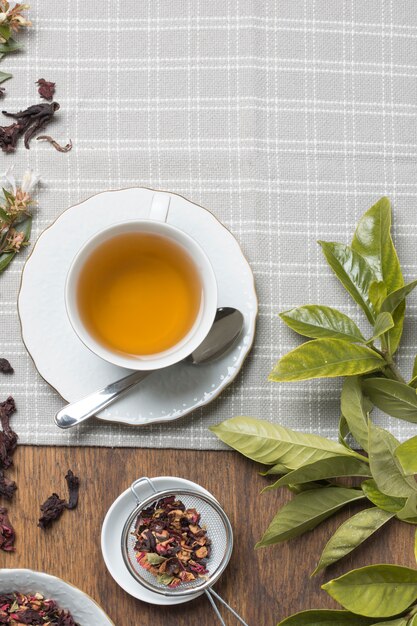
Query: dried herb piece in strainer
{"points": [[170, 542]]}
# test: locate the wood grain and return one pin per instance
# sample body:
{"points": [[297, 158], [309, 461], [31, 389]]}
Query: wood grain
{"points": [[265, 585]]}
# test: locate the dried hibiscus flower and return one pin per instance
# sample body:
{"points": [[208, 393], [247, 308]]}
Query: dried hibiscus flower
{"points": [[18, 608], [7, 533], [28, 122], [46, 89], [7, 487], [5, 367], [170, 542], [8, 438], [54, 506]]}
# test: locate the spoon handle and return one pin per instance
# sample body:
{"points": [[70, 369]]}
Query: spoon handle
{"points": [[77, 412]]}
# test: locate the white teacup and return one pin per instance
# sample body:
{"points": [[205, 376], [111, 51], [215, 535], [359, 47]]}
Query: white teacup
{"points": [[155, 223]]}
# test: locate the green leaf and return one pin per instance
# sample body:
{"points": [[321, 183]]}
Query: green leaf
{"points": [[305, 511], [415, 546], [356, 408], [351, 534], [164, 579], [325, 617], [401, 621], [278, 468], [271, 443], [394, 299], [413, 621], [375, 590], [377, 294], [353, 272], [344, 431], [385, 468], [395, 333], [5, 76], [154, 559], [387, 503], [5, 259], [5, 31], [372, 240], [392, 397], [317, 322], [3, 216], [409, 512], [322, 470], [406, 454], [415, 367], [383, 324], [10, 46], [325, 358]]}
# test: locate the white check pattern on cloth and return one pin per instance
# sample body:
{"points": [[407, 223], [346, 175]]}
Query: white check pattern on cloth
{"points": [[286, 118]]}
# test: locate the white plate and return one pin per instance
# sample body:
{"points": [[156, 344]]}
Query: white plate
{"points": [[63, 360], [111, 539], [83, 608]]}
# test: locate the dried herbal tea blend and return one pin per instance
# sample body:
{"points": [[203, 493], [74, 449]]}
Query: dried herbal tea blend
{"points": [[54, 506], [28, 122], [7, 533], [5, 367], [18, 608], [46, 89], [171, 543]]}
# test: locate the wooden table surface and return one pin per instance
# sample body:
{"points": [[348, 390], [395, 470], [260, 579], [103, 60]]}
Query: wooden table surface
{"points": [[264, 585]]}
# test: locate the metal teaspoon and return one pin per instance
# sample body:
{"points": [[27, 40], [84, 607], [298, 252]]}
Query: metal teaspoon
{"points": [[227, 326]]}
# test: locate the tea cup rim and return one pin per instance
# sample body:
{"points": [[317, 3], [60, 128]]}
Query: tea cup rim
{"points": [[204, 319]]}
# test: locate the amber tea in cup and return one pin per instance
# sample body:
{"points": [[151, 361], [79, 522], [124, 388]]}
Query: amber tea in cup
{"points": [[139, 293]]}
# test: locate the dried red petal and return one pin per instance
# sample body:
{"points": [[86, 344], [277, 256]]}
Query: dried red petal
{"points": [[46, 89], [5, 367], [7, 532]]}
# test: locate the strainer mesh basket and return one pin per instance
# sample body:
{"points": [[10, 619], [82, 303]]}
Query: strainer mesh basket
{"points": [[219, 531]]}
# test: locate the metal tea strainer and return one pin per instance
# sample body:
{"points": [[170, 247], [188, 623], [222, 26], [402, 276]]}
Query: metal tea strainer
{"points": [[219, 530]]}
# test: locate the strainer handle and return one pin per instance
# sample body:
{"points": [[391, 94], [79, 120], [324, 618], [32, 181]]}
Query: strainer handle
{"points": [[209, 594], [137, 482]]}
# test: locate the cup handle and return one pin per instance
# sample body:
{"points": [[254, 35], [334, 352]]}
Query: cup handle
{"points": [[159, 207]]}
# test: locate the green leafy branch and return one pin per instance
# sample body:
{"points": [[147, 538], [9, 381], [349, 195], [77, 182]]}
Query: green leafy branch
{"points": [[370, 271], [377, 594], [309, 465]]}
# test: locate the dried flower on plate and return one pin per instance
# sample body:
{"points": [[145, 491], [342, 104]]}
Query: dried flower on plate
{"points": [[33, 609], [54, 506], [170, 542], [5, 366], [7, 533], [46, 89], [28, 122]]}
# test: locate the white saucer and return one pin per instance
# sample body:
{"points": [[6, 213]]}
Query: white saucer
{"points": [[83, 608], [70, 368], [111, 539]]}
